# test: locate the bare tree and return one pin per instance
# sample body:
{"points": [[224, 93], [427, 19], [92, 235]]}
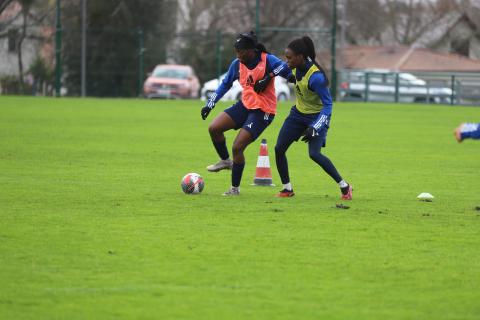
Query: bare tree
{"points": [[4, 4], [6, 22], [366, 21], [31, 14], [26, 5], [239, 16], [409, 20]]}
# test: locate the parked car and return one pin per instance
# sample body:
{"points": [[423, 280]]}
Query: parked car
{"points": [[171, 81], [381, 87], [282, 89]]}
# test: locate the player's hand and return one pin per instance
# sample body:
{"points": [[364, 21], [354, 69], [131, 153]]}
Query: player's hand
{"points": [[291, 78], [262, 84], [205, 111], [309, 134]]}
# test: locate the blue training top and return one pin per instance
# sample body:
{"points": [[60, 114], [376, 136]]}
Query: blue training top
{"points": [[274, 65]]}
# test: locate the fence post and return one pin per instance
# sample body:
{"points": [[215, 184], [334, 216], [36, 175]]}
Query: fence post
{"points": [[257, 18], [452, 96], [397, 84], [367, 84], [83, 69], [219, 54], [333, 50], [58, 52], [141, 61], [428, 91]]}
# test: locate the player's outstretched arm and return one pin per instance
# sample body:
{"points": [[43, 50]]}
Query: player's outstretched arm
{"points": [[224, 86]]}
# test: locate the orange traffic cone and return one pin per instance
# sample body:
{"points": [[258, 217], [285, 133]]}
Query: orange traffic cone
{"points": [[263, 175]]}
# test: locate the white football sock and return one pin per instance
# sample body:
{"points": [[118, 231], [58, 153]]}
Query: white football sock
{"points": [[288, 186], [343, 184]]}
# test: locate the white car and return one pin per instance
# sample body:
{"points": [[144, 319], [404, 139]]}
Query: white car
{"points": [[381, 87], [282, 89]]}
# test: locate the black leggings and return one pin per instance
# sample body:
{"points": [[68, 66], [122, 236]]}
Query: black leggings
{"points": [[314, 150]]}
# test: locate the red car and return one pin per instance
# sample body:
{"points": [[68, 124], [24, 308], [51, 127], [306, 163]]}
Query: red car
{"points": [[172, 81]]}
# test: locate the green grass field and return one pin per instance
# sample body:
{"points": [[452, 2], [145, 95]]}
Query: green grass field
{"points": [[94, 224]]}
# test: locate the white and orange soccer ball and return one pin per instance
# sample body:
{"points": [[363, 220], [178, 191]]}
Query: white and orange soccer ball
{"points": [[192, 183]]}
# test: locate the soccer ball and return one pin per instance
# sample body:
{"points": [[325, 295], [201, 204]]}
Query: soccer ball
{"points": [[192, 183]]}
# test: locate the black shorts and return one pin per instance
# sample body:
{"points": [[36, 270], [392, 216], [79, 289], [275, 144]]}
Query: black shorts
{"points": [[295, 125], [254, 121]]}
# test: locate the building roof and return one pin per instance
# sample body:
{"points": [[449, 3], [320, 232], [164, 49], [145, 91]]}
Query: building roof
{"points": [[404, 59]]}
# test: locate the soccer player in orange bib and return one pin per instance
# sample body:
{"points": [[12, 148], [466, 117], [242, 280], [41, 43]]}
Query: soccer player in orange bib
{"points": [[254, 68]]}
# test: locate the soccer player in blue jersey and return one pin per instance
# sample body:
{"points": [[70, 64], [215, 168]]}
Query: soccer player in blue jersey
{"points": [[467, 131], [309, 117], [254, 68]]}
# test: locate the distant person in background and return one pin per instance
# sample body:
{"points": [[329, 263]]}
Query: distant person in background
{"points": [[254, 68], [467, 131], [309, 117]]}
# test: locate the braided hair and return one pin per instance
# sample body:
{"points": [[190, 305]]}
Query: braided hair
{"points": [[306, 48]]}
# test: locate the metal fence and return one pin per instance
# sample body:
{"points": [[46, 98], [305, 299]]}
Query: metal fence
{"points": [[114, 58], [116, 61], [432, 87]]}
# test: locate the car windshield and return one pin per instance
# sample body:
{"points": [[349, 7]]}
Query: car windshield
{"points": [[170, 73]]}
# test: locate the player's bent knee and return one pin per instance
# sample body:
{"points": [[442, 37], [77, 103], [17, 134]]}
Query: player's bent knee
{"points": [[214, 130], [314, 155], [237, 149], [279, 150]]}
